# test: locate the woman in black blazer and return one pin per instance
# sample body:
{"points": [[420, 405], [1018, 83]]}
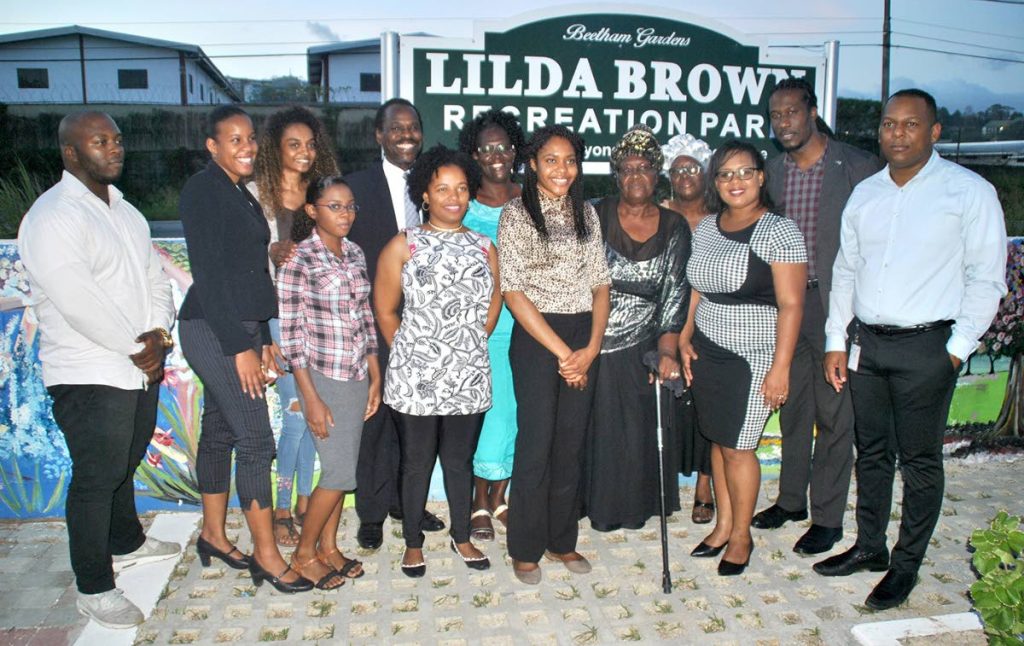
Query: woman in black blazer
{"points": [[226, 339]]}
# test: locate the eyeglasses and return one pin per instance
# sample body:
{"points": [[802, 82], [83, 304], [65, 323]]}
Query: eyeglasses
{"points": [[744, 174], [495, 149], [338, 207], [645, 169], [691, 169]]}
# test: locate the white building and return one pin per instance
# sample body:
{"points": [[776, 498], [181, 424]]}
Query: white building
{"points": [[80, 65], [346, 72]]}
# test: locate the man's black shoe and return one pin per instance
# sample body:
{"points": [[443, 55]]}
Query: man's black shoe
{"points": [[775, 517], [431, 523], [370, 535], [853, 560], [396, 514], [892, 590], [818, 539]]}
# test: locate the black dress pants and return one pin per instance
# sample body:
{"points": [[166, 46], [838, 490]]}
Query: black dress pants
{"points": [[814, 403], [901, 395], [544, 501], [424, 438], [107, 430]]}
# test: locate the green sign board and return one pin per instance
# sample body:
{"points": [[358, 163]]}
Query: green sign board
{"points": [[599, 73]]}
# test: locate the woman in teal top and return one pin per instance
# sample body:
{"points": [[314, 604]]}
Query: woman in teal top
{"points": [[494, 139]]}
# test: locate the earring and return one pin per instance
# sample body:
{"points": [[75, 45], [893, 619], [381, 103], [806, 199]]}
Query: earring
{"points": [[426, 206]]}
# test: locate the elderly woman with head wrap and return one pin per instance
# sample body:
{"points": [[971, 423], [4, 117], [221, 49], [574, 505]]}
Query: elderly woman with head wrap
{"points": [[647, 248], [686, 162]]}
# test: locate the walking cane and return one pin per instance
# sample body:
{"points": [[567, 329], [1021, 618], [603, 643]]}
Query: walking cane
{"points": [[666, 580]]}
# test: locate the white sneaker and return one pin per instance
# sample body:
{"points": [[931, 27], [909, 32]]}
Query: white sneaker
{"points": [[111, 609], [149, 552]]}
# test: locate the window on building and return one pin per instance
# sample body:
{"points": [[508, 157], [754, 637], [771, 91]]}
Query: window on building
{"points": [[133, 79], [201, 94], [190, 90], [33, 78], [369, 82]]}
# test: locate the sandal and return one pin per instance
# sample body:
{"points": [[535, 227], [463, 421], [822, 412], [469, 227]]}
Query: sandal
{"points": [[288, 538], [703, 512], [346, 569], [483, 532], [498, 511], [325, 580]]}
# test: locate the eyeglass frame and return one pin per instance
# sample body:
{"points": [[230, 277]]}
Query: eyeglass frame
{"points": [[726, 176], [692, 170], [495, 149], [338, 207]]}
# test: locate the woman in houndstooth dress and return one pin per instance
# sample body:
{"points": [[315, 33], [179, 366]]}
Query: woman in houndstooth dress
{"points": [[748, 270]]}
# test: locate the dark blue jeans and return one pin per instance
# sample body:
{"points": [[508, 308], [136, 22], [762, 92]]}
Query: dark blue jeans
{"points": [[107, 430]]}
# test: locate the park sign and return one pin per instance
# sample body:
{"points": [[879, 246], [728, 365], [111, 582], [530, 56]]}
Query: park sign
{"points": [[599, 71]]}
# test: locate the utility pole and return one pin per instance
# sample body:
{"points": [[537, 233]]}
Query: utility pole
{"points": [[886, 36]]}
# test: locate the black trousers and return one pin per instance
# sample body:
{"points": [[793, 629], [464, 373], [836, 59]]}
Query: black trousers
{"points": [[814, 403], [424, 438], [544, 501], [232, 421], [107, 430], [901, 395], [378, 470]]}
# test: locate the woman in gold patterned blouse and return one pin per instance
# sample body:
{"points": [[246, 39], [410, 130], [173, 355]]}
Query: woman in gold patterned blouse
{"points": [[554, 277]]}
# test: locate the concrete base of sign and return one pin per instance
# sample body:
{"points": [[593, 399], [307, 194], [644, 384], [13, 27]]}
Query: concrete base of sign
{"points": [[894, 633]]}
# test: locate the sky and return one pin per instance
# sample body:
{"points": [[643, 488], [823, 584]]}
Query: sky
{"points": [[979, 59]]}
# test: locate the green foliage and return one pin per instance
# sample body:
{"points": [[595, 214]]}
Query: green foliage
{"points": [[998, 594], [1009, 184], [18, 190]]}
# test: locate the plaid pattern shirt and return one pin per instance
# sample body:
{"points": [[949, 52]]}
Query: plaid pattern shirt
{"points": [[803, 194], [326, 322]]}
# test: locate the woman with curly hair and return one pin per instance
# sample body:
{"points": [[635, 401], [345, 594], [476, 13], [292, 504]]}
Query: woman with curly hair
{"points": [[494, 140], [438, 374], [294, 149], [554, 277]]}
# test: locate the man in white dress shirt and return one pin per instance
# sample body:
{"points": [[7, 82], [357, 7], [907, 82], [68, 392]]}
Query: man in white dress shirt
{"points": [[104, 307], [918, 279]]}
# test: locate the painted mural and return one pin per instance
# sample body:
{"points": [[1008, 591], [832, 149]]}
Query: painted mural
{"points": [[34, 462]]}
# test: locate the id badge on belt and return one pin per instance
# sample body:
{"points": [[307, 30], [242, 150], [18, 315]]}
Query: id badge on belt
{"points": [[854, 360]]}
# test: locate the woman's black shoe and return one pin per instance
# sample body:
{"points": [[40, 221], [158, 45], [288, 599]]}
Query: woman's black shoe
{"points": [[703, 550], [259, 575], [728, 568], [206, 550], [414, 571], [477, 563]]}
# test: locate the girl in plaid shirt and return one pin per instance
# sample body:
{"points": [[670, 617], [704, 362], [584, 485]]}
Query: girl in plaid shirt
{"points": [[328, 339]]}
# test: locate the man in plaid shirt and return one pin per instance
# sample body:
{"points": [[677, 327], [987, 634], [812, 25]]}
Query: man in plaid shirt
{"points": [[811, 183]]}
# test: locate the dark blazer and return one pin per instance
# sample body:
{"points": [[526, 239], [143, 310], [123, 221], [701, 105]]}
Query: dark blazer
{"points": [[227, 238], [375, 225], [845, 167]]}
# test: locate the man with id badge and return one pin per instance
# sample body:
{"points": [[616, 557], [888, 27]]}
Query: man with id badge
{"points": [[919, 276]]}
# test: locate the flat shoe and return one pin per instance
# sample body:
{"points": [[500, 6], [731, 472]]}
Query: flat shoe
{"points": [[289, 538], [573, 561], [498, 511], [431, 523], [370, 536], [414, 570], [324, 583], [483, 533], [350, 564], [473, 563], [703, 512], [529, 577], [775, 517]]}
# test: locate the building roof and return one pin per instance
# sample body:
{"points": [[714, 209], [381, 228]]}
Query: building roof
{"points": [[195, 52]]}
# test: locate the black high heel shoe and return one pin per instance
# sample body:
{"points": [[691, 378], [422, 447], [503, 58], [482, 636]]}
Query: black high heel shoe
{"points": [[473, 563], [259, 575], [703, 550], [728, 568], [206, 550]]}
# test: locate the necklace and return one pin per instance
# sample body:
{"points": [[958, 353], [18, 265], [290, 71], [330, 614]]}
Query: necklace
{"points": [[431, 224]]}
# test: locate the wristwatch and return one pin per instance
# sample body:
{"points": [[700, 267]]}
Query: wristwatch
{"points": [[165, 337]]}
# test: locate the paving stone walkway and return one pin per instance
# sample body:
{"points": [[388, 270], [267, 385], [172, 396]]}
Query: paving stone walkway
{"points": [[779, 600]]}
